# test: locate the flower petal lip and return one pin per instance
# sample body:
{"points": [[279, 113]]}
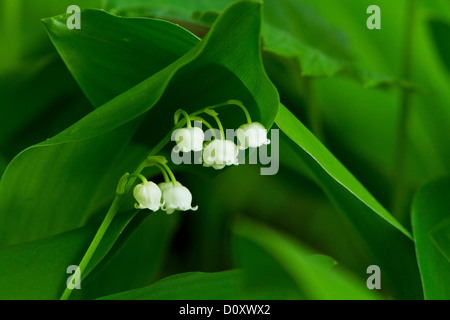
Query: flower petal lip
{"points": [[177, 198], [148, 196]]}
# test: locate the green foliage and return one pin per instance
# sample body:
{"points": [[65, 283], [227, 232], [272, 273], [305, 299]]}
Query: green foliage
{"points": [[46, 261], [375, 225], [431, 225], [79, 108], [313, 275]]}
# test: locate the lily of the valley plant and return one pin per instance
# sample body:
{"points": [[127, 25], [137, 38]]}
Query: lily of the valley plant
{"points": [[170, 195]]}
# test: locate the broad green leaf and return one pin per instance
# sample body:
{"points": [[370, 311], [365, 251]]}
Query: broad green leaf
{"points": [[302, 34], [24, 118], [225, 285], [86, 149], [127, 50], [295, 30], [431, 227], [305, 24], [389, 242], [138, 256], [173, 9], [80, 55], [441, 238], [36, 200], [311, 61], [311, 273], [37, 269], [77, 164]]}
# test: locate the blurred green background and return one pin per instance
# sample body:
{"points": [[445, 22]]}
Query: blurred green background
{"points": [[354, 108]]}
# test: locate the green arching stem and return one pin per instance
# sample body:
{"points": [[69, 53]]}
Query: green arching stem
{"points": [[236, 103], [185, 114], [140, 176], [206, 123], [116, 204], [172, 176], [118, 200], [219, 123], [159, 146], [241, 105], [166, 177]]}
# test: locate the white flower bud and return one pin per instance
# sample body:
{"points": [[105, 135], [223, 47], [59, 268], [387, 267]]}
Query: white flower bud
{"points": [[252, 135], [189, 139], [176, 198], [220, 153], [148, 196]]}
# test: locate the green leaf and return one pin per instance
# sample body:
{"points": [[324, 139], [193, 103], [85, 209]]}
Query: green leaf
{"points": [[36, 199], [24, 118], [91, 154], [85, 164], [295, 30], [389, 242], [127, 50], [37, 270], [441, 238], [138, 255], [224, 285], [173, 9], [312, 62], [303, 34], [214, 55], [305, 24], [311, 273], [431, 226]]}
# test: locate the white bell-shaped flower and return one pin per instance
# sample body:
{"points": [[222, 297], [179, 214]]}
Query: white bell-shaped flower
{"points": [[148, 195], [176, 198], [252, 135], [189, 139], [220, 153]]}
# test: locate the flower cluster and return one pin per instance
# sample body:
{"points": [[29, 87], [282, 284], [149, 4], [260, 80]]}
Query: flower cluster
{"points": [[171, 195], [167, 196], [219, 152]]}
